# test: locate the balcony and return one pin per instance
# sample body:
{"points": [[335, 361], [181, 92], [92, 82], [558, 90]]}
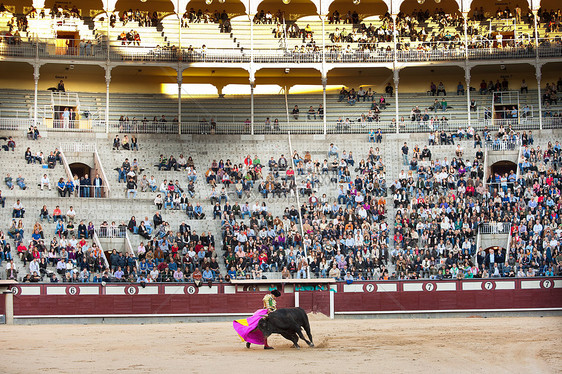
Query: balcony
{"points": [[97, 50]]}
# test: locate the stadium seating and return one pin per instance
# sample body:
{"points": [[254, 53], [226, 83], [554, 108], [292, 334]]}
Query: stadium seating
{"points": [[403, 208]]}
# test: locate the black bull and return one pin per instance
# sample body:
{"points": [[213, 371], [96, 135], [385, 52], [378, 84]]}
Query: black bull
{"points": [[288, 323]]}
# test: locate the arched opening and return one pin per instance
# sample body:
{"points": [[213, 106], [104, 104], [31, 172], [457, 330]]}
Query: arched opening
{"points": [[489, 9], [290, 12], [86, 8], [233, 9], [502, 176], [160, 7], [365, 9], [80, 169], [503, 167], [446, 6]]}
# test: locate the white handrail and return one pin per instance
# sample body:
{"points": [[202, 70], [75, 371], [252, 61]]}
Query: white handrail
{"points": [[66, 166], [485, 167], [98, 243], [105, 181]]}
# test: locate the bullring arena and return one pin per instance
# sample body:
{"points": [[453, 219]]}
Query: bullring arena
{"points": [[362, 346], [392, 167]]}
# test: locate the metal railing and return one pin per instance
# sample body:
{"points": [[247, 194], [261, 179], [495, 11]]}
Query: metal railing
{"points": [[96, 240], [502, 145], [19, 124], [78, 147], [110, 232], [106, 189], [494, 228], [92, 191], [66, 165], [295, 126], [334, 53]]}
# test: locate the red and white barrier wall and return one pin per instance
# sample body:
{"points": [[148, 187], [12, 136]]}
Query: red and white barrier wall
{"points": [[95, 300]]}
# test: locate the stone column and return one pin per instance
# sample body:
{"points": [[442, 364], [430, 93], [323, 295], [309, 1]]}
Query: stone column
{"points": [[394, 35], [467, 90], [465, 18]]}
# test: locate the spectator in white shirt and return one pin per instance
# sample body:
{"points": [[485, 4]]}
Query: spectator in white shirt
{"points": [[45, 182], [71, 214], [152, 183], [34, 267]]}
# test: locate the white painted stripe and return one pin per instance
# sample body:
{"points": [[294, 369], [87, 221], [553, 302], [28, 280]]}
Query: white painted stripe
{"points": [[505, 285], [206, 290], [446, 286], [170, 290], [558, 283], [387, 287], [89, 290], [249, 313], [530, 285], [148, 290], [471, 286], [137, 315], [352, 288], [30, 291], [56, 290], [412, 286], [451, 311], [118, 290], [229, 289]]}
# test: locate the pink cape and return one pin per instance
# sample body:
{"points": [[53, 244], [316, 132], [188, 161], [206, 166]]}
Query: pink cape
{"points": [[247, 328]]}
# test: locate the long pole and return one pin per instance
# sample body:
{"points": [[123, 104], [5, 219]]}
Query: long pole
{"points": [[252, 106], [36, 79], [180, 80], [107, 82], [537, 65], [298, 203], [396, 80], [396, 73], [538, 76], [324, 84]]}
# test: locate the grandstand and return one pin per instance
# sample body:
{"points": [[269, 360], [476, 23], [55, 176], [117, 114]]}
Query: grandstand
{"points": [[223, 88]]}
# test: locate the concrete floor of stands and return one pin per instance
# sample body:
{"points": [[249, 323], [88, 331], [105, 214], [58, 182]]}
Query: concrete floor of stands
{"points": [[203, 150]]}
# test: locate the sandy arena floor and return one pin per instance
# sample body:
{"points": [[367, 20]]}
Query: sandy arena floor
{"points": [[448, 345]]}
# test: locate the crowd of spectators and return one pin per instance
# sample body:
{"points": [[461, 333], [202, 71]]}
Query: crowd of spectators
{"points": [[348, 236], [168, 256], [267, 18], [206, 16], [130, 37], [439, 205], [143, 18]]}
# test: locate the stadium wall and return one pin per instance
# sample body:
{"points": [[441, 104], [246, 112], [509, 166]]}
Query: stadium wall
{"points": [[359, 298]]}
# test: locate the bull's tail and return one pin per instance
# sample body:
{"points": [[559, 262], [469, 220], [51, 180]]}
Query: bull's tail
{"points": [[306, 326]]}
